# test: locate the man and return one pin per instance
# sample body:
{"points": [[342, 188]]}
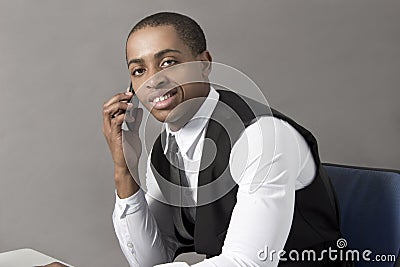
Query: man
{"points": [[293, 208]]}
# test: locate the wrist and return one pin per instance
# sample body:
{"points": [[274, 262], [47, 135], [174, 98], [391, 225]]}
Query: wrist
{"points": [[121, 172], [124, 182]]}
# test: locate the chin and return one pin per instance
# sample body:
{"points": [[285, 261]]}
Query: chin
{"points": [[162, 115], [159, 116]]}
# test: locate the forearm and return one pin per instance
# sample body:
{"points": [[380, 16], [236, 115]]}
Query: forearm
{"points": [[125, 184], [139, 236]]}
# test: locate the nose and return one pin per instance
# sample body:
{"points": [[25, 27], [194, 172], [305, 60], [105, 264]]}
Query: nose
{"points": [[159, 80]]}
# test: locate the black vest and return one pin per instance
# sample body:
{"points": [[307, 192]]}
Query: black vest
{"points": [[315, 223]]}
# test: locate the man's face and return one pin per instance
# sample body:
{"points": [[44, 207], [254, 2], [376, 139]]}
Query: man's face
{"points": [[153, 49]]}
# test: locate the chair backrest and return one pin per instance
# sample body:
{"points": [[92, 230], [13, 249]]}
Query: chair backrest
{"points": [[369, 204]]}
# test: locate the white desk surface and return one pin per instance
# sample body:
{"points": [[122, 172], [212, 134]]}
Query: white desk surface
{"points": [[25, 257]]}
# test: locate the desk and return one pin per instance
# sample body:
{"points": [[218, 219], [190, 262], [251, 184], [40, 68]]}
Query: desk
{"points": [[25, 257]]}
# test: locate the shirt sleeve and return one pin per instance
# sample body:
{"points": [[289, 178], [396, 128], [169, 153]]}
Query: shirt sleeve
{"points": [[269, 162], [143, 227]]}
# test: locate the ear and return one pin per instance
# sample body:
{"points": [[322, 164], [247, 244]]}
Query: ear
{"points": [[206, 59]]}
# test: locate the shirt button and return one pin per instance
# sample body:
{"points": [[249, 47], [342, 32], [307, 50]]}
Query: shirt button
{"points": [[129, 245]]}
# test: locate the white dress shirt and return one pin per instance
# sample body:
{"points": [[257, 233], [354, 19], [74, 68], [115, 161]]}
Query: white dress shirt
{"points": [[277, 160]]}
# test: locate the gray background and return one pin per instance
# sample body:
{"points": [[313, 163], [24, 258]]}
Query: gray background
{"points": [[331, 65]]}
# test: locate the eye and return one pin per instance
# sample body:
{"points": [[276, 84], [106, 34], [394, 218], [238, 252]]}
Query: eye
{"points": [[168, 62], [137, 72]]}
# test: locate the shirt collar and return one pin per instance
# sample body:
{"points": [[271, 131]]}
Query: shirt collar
{"points": [[189, 134]]}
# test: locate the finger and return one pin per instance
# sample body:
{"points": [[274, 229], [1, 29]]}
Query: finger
{"points": [[118, 97], [114, 99], [128, 90], [116, 109], [109, 112], [129, 106], [112, 111], [106, 123], [116, 124]]}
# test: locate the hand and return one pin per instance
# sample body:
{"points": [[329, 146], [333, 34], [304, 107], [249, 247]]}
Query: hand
{"points": [[113, 117]]}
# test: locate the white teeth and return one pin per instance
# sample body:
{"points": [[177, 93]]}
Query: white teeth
{"points": [[161, 98]]}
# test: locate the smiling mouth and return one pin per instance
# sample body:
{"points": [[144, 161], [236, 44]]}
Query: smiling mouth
{"points": [[162, 98], [165, 96], [166, 101]]}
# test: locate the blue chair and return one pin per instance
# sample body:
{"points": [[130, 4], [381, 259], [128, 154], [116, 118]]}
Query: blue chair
{"points": [[369, 204]]}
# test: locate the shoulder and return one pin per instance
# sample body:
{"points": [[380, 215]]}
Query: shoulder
{"points": [[268, 130], [269, 145]]}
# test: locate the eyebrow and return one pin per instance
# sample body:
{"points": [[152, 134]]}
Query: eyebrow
{"points": [[156, 55]]}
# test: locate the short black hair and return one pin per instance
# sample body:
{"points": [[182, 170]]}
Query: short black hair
{"points": [[187, 29]]}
